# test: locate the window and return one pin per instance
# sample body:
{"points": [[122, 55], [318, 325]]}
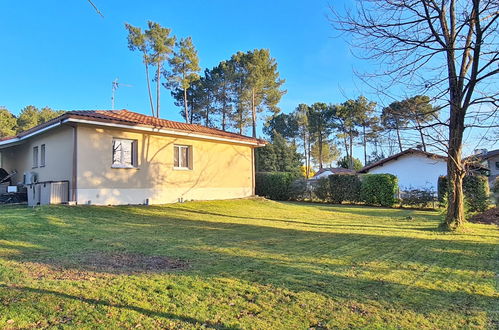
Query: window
{"points": [[497, 165], [35, 157], [42, 155], [124, 153], [182, 157]]}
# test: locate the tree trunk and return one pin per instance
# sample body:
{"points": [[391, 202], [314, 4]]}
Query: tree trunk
{"points": [[149, 88], [320, 150], [455, 171], [223, 116], [398, 136], [253, 109], [350, 166], [365, 144], [158, 90], [186, 109], [420, 129]]}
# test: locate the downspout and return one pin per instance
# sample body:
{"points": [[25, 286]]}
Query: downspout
{"points": [[75, 169], [253, 171]]}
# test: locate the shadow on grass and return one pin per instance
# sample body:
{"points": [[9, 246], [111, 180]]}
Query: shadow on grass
{"points": [[328, 263], [99, 302]]}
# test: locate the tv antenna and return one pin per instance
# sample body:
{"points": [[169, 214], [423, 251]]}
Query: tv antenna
{"points": [[115, 86]]}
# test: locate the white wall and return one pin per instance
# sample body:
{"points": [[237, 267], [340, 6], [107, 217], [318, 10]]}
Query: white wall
{"points": [[414, 170]]}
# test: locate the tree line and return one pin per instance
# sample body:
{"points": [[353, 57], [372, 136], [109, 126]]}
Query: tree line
{"points": [[320, 131], [229, 96], [30, 116]]}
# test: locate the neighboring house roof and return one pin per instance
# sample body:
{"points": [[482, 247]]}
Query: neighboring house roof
{"points": [[129, 119], [396, 156], [334, 170], [489, 154]]}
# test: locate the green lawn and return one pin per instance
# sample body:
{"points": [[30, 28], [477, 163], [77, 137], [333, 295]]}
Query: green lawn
{"points": [[244, 264]]}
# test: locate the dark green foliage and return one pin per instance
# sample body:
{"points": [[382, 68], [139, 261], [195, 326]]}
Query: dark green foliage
{"points": [[344, 187], [476, 192], [322, 189], [298, 190], [442, 189], [278, 156], [31, 116], [284, 124], [357, 164], [274, 185], [379, 189], [418, 197]]}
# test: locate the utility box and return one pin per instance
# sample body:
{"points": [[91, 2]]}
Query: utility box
{"points": [[46, 193], [55, 192], [33, 191]]}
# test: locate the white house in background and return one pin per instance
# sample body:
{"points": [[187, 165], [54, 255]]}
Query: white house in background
{"points": [[325, 172], [414, 168]]}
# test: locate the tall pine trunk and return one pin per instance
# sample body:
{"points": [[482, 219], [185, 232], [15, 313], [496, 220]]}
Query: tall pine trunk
{"points": [[365, 144], [149, 87], [320, 150], [158, 90], [253, 110], [398, 135], [186, 109], [350, 165]]}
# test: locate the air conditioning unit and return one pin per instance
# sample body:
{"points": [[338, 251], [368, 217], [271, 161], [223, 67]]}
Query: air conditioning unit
{"points": [[30, 178]]}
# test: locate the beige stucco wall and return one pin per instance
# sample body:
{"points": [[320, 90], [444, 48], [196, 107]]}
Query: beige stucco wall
{"points": [[220, 170], [58, 155]]}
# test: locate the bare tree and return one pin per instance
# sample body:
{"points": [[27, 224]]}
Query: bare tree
{"points": [[447, 49]]}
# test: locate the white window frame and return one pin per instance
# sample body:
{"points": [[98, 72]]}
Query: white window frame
{"points": [[181, 166], [133, 147], [35, 157], [43, 160]]}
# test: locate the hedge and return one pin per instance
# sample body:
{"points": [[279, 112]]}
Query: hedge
{"points": [[475, 188], [274, 185], [344, 187], [379, 189]]}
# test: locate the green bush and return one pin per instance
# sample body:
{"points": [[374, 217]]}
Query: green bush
{"points": [[344, 187], [274, 185], [379, 189], [298, 190], [495, 190], [475, 188], [321, 189], [476, 192]]}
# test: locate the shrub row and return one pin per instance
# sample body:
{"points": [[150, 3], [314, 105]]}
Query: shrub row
{"points": [[475, 188], [274, 185], [372, 189]]}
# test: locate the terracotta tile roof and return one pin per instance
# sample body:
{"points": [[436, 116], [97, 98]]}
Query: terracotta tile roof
{"points": [[405, 152], [130, 118]]}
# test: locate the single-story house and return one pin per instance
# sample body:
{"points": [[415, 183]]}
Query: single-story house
{"points": [[490, 160], [414, 168], [122, 157], [325, 172]]}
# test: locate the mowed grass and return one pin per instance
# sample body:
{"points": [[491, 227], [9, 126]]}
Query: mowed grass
{"points": [[252, 264]]}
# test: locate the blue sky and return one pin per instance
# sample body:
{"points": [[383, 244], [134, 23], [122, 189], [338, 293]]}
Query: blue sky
{"points": [[63, 55]]}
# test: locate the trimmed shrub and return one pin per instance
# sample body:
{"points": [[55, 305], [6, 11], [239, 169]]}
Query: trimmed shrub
{"points": [[475, 188], [476, 192], [379, 189], [344, 187], [274, 185], [322, 189], [299, 190], [418, 197], [495, 190]]}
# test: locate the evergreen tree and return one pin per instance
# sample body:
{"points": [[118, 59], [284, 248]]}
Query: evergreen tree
{"points": [[161, 47], [30, 116], [278, 156], [139, 41], [184, 70], [8, 123], [346, 162], [320, 121]]}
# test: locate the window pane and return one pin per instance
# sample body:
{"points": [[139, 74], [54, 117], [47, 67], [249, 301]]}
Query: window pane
{"points": [[117, 152], [126, 147], [42, 155], [185, 157], [35, 156], [175, 157]]}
